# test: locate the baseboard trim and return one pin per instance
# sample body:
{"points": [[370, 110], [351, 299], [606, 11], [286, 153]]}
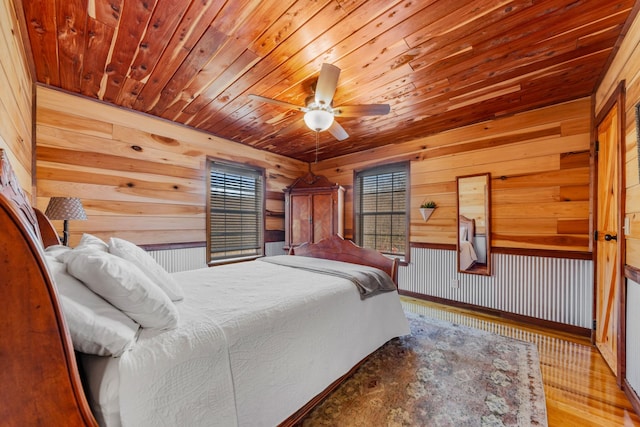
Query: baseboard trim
{"points": [[562, 327], [632, 396]]}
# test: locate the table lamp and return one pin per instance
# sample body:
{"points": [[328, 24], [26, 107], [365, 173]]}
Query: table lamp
{"points": [[65, 208]]}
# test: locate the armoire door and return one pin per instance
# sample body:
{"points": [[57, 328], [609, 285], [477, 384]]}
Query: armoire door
{"points": [[323, 213], [300, 219]]}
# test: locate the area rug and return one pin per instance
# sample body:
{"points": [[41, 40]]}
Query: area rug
{"points": [[442, 374]]}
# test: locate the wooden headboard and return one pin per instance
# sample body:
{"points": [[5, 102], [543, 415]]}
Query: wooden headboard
{"points": [[338, 249], [39, 377]]}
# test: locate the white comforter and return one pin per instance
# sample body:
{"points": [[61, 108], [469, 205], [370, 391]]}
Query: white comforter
{"points": [[256, 341]]}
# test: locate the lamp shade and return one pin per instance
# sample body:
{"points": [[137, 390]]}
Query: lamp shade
{"points": [[65, 208], [318, 120]]}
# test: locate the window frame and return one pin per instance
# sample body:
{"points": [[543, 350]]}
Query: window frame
{"points": [[357, 201], [251, 169]]}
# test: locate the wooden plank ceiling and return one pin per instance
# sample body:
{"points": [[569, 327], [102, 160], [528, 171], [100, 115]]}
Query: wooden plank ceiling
{"points": [[440, 64]]}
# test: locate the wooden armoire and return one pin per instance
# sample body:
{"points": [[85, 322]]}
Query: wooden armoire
{"points": [[314, 209]]}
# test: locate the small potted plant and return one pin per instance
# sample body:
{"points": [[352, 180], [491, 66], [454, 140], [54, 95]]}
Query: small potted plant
{"points": [[427, 208]]}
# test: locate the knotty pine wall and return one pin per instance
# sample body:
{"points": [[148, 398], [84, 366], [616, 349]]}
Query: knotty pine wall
{"points": [[16, 96], [153, 195], [626, 67], [540, 167]]}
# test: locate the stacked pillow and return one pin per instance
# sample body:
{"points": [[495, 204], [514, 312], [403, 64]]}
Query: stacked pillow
{"points": [[109, 291]]}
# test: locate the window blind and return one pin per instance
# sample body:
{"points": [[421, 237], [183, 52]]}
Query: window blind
{"points": [[236, 220], [381, 209]]}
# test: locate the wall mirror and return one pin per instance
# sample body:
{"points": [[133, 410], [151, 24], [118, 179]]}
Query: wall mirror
{"points": [[474, 235]]}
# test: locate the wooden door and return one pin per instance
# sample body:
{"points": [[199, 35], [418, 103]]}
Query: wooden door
{"points": [[322, 216], [607, 244]]}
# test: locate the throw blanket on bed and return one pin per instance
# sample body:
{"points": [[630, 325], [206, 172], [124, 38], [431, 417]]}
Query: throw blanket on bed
{"points": [[370, 281]]}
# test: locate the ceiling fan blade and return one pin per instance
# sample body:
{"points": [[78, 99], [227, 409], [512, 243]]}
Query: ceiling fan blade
{"points": [[362, 110], [276, 102], [327, 83], [338, 131]]}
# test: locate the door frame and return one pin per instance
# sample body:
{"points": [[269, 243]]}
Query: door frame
{"points": [[617, 97]]}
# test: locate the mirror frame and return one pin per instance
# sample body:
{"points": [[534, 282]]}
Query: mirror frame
{"points": [[475, 268]]}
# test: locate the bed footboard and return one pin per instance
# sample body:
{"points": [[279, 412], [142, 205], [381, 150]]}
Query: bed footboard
{"points": [[338, 249]]}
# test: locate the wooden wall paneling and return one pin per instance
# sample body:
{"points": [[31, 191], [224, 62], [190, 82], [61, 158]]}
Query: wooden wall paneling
{"points": [[135, 149], [626, 60], [632, 253], [632, 169], [16, 96], [62, 121], [95, 207], [116, 163], [417, 150], [50, 188], [626, 66], [214, 146], [540, 167], [139, 177], [135, 181], [15, 73]]}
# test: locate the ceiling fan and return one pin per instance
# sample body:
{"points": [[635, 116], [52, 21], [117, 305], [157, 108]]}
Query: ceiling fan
{"points": [[319, 111]]}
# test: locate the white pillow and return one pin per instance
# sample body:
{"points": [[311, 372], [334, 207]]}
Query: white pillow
{"points": [[95, 326], [124, 285], [145, 262], [56, 250], [89, 241]]}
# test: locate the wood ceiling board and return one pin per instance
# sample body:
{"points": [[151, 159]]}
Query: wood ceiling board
{"points": [[440, 64]]}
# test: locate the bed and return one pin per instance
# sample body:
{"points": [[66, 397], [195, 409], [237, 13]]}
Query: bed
{"points": [[256, 343]]}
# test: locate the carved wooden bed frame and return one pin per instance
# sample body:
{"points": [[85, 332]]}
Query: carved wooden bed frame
{"points": [[39, 379]]}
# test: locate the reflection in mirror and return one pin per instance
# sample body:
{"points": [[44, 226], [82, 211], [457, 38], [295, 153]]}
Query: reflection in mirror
{"points": [[474, 241]]}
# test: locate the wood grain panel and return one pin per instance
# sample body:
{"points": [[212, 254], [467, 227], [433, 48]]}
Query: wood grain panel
{"points": [[540, 178], [16, 97], [98, 42], [625, 66], [71, 23], [154, 193], [440, 65], [89, 175], [97, 207]]}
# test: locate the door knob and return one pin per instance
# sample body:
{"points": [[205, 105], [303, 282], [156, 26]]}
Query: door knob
{"points": [[609, 237]]}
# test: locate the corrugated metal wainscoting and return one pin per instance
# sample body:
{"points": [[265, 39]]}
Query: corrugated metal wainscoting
{"points": [[174, 260], [633, 335], [274, 248], [554, 289]]}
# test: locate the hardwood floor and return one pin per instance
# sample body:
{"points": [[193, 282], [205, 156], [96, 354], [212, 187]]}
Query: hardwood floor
{"points": [[579, 387]]}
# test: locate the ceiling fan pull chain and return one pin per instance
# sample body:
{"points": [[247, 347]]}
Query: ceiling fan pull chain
{"points": [[317, 142]]}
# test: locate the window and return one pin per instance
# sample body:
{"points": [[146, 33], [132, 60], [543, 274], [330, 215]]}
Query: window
{"points": [[235, 212], [381, 200]]}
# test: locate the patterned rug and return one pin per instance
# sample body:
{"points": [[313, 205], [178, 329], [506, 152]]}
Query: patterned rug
{"points": [[441, 375]]}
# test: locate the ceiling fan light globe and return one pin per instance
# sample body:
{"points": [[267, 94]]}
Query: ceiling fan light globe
{"points": [[318, 120]]}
